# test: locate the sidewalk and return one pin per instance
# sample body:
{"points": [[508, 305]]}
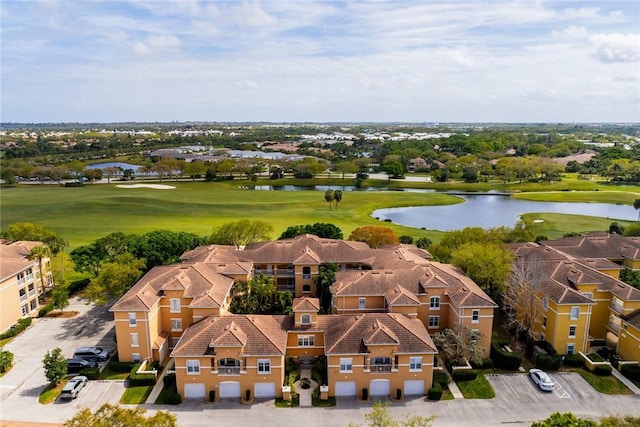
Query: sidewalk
{"points": [[157, 389], [304, 395], [624, 380], [453, 387]]}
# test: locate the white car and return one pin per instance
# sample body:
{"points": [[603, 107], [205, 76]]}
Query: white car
{"points": [[542, 379], [73, 387]]}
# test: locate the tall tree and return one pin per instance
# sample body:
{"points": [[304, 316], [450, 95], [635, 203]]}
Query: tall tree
{"points": [[636, 206], [55, 365], [324, 279], [374, 235], [320, 229], [255, 296], [329, 196], [241, 233], [60, 297], [487, 264], [40, 253], [117, 416], [337, 196], [522, 300], [36, 232], [460, 344], [115, 278]]}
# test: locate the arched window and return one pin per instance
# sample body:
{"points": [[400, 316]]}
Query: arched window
{"points": [[306, 272], [305, 319]]}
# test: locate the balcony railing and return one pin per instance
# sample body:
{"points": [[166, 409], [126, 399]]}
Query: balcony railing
{"points": [[614, 326], [380, 368], [228, 370], [617, 307]]}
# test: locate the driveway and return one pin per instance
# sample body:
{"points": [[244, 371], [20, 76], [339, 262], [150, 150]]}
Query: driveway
{"points": [[20, 387]]}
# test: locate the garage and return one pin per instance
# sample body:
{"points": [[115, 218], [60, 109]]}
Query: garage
{"points": [[229, 389], [194, 391], [345, 389], [414, 387], [264, 390], [380, 387]]}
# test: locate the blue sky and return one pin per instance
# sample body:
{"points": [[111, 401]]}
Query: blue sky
{"points": [[281, 61]]}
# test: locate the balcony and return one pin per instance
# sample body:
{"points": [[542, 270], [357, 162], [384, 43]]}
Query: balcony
{"points": [[228, 370], [614, 326], [617, 307], [380, 367]]}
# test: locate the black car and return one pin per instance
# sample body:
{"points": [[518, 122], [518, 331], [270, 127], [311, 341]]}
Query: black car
{"points": [[92, 353], [77, 364]]}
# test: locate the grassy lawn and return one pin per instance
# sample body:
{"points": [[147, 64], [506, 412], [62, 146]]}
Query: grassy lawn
{"points": [[606, 385], [84, 214], [446, 395], [108, 374], [51, 392], [5, 342], [293, 403], [476, 389], [136, 395]]}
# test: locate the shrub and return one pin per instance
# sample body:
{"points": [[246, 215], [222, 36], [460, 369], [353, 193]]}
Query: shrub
{"points": [[548, 361], [503, 359], [77, 285], [464, 375], [169, 381], [602, 370], [573, 360], [631, 371], [74, 184], [435, 392], [91, 373], [136, 380], [305, 383], [484, 364], [22, 324], [44, 310], [441, 378], [6, 360], [173, 398]]}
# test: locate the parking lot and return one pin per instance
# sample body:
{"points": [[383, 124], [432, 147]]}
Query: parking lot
{"points": [[519, 387]]}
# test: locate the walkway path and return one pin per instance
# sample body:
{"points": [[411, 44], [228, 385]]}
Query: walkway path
{"points": [[304, 395], [624, 380]]}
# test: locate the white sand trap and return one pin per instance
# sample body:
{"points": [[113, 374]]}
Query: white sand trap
{"points": [[154, 186]]}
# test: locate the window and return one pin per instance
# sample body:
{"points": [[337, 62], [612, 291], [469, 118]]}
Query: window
{"points": [[174, 305], [306, 289], [362, 303], [415, 363], [346, 365], [588, 294], [23, 294], [306, 341], [544, 321], [136, 357], [545, 303], [575, 313], [475, 316], [434, 321], [306, 272], [25, 310], [29, 274], [572, 331], [134, 340], [176, 324], [305, 319], [132, 319], [193, 367], [33, 304], [571, 348], [264, 366], [474, 335], [434, 303], [31, 288], [21, 278], [174, 341]]}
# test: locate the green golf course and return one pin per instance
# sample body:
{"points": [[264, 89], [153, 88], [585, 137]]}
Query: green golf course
{"points": [[83, 214]]}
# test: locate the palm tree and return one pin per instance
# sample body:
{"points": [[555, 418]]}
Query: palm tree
{"points": [[337, 196], [636, 206], [329, 196], [40, 253]]}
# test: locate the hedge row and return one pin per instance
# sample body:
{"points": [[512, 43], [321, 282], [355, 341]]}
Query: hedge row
{"points": [[464, 375], [631, 371], [91, 373], [602, 370], [45, 309], [140, 379], [435, 392], [22, 324], [574, 360], [121, 367], [6, 360], [550, 362], [503, 359], [441, 378]]}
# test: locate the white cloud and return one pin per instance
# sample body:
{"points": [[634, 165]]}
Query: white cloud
{"points": [[573, 32], [617, 47], [157, 44]]}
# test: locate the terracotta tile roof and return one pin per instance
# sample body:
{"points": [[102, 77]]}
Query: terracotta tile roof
{"points": [[258, 334], [14, 257], [598, 245], [11, 267], [350, 334], [463, 291], [633, 319], [398, 295], [199, 281], [376, 282], [311, 305]]}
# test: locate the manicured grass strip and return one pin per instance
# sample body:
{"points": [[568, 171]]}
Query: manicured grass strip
{"points": [[51, 392], [476, 389], [5, 342], [136, 395], [293, 403], [446, 395], [606, 385], [108, 374]]}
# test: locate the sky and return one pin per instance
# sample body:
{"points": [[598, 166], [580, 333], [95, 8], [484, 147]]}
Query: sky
{"points": [[320, 61]]}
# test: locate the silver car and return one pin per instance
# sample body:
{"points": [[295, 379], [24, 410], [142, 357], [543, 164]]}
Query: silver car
{"points": [[73, 387], [541, 379]]}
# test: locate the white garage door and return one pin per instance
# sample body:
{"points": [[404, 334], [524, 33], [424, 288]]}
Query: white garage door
{"points": [[229, 389], [265, 390], [194, 391], [346, 388], [414, 387], [380, 387]]}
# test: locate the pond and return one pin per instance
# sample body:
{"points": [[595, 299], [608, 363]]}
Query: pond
{"points": [[121, 165], [324, 188], [490, 211]]}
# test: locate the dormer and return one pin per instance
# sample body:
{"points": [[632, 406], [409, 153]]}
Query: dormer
{"points": [[305, 311], [377, 334]]}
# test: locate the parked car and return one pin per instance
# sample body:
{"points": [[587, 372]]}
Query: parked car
{"points": [[73, 387], [92, 353], [77, 364], [541, 379]]}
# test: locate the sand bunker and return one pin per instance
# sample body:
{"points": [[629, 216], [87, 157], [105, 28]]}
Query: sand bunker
{"points": [[154, 186]]}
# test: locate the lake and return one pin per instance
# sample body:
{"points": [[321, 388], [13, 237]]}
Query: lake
{"points": [[490, 211], [121, 165]]}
